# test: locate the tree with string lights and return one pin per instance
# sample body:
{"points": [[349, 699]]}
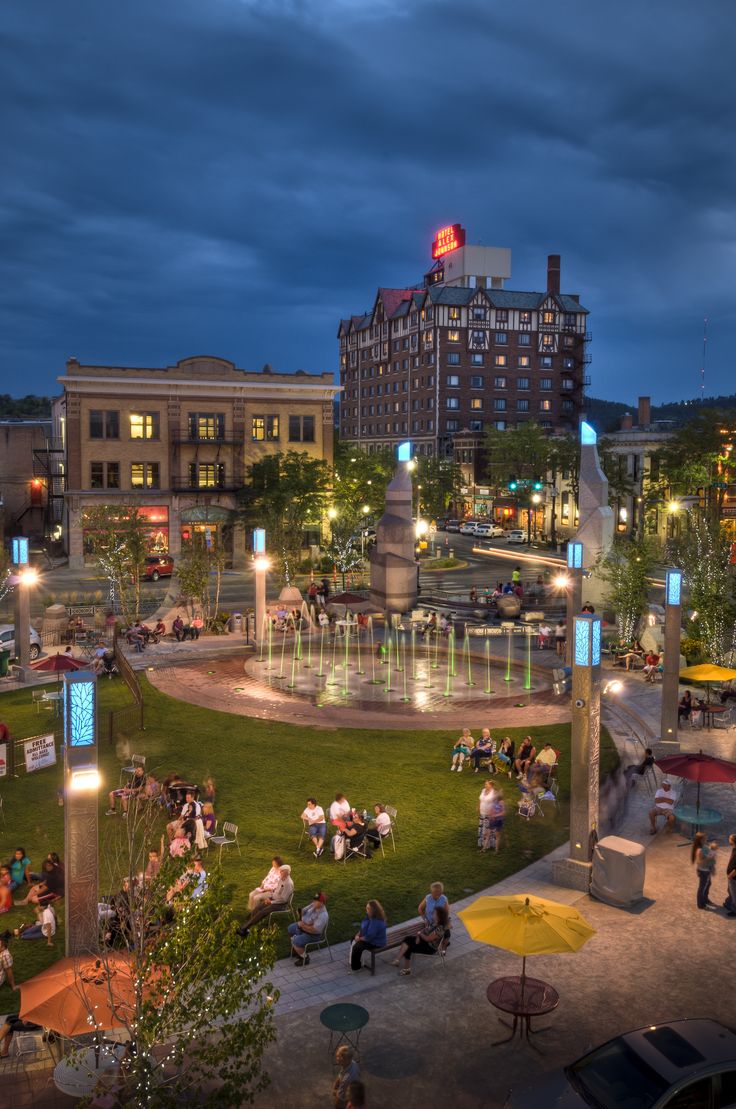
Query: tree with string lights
{"points": [[201, 1011]]}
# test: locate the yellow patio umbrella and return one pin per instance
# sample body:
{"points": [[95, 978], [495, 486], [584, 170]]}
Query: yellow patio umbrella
{"points": [[526, 925], [708, 672]]}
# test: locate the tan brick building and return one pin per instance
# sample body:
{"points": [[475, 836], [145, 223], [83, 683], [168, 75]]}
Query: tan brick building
{"points": [[176, 442]]}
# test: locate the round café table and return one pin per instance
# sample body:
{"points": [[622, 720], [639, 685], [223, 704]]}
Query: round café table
{"points": [[342, 1021], [79, 1075], [697, 818], [523, 1002]]}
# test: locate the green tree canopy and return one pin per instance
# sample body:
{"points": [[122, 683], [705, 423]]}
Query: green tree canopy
{"points": [[523, 452], [285, 493], [626, 568], [701, 458], [119, 538], [440, 480]]}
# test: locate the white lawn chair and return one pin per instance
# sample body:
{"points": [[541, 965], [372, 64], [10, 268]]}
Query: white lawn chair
{"points": [[227, 839]]}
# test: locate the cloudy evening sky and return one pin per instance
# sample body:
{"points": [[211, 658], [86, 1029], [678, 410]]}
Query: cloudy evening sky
{"points": [[231, 177]]}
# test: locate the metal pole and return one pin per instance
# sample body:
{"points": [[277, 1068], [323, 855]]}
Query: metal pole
{"points": [[585, 747], [671, 662]]}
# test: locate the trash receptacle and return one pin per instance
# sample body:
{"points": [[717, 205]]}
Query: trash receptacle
{"points": [[236, 622], [4, 661], [619, 867]]}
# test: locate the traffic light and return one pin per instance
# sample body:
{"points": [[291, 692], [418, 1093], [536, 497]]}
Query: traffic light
{"points": [[513, 484], [538, 483]]}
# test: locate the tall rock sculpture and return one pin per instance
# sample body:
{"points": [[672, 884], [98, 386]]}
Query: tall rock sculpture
{"points": [[394, 573], [595, 530]]}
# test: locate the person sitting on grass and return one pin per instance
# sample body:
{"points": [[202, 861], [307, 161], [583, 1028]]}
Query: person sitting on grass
{"points": [[6, 896], [153, 866], [132, 790], [20, 869], [425, 942], [371, 936], [263, 892], [348, 1073], [525, 756], [44, 927], [314, 818], [461, 750], [50, 888], [181, 843], [193, 882], [275, 900], [191, 812], [485, 748], [6, 962], [313, 921]]}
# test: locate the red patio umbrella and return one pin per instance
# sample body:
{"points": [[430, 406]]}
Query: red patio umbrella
{"points": [[698, 768], [58, 663]]}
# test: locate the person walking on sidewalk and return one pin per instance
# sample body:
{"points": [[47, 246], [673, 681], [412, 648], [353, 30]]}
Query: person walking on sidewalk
{"points": [[704, 856]]}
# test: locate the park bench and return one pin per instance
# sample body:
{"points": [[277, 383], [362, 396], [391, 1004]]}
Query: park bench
{"points": [[395, 937]]}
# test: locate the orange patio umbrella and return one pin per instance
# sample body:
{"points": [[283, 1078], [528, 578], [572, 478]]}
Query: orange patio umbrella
{"points": [[78, 995]]}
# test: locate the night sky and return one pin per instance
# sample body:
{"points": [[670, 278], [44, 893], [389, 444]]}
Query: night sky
{"points": [[209, 176]]}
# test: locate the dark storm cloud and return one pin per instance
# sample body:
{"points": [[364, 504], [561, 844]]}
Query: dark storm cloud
{"points": [[233, 177]]}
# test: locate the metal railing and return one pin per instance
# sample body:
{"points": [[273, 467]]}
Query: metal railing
{"points": [[129, 718]]}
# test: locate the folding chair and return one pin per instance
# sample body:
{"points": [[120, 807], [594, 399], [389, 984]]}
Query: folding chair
{"points": [[723, 719], [394, 818], [528, 804], [317, 943], [381, 838], [550, 794], [288, 909], [229, 836], [136, 761], [303, 836], [352, 852]]}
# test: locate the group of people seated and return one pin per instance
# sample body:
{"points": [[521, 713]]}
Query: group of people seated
{"points": [[503, 758], [139, 635], [41, 891], [355, 831], [117, 912], [631, 655], [691, 709], [182, 631]]}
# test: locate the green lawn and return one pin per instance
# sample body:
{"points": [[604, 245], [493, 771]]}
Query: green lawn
{"points": [[264, 772]]}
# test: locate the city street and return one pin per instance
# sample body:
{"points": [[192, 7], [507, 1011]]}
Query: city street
{"points": [[86, 585]]}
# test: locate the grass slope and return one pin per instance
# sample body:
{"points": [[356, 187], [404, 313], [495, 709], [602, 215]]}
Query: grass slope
{"points": [[264, 772]]}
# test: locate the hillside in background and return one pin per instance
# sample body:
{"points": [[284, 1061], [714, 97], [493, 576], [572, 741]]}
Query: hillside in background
{"points": [[605, 415], [24, 408]]}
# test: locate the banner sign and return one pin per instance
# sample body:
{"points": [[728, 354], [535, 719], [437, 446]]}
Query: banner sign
{"points": [[39, 752], [3, 760]]}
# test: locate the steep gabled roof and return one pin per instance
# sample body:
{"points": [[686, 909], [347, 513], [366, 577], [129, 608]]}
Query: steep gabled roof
{"points": [[393, 298]]}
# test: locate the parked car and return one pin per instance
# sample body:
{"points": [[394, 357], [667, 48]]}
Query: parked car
{"points": [[468, 527], [453, 525], [517, 536], [7, 640], [679, 1063], [158, 566], [489, 531]]}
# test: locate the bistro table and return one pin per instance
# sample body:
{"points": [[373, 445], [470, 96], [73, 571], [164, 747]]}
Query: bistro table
{"points": [[78, 1075], [342, 1020], [522, 999], [698, 818], [711, 710], [55, 699]]}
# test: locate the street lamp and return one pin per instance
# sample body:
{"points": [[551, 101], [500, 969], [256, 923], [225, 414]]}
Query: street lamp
{"points": [[365, 510], [671, 662], [81, 786], [260, 565], [574, 590], [585, 750]]}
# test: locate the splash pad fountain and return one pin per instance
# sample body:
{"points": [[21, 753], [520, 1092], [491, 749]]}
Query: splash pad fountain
{"points": [[396, 668]]}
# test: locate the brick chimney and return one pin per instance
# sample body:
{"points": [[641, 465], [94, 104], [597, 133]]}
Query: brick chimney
{"points": [[553, 273], [627, 421], [645, 411]]}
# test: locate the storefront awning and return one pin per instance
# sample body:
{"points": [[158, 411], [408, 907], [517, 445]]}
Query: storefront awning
{"points": [[205, 514]]}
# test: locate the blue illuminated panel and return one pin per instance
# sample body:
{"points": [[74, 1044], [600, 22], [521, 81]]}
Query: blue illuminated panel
{"points": [[674, 587], [582, 642], [80, 708], [588, 437], [575, 556], [259, 541], [20, 550], [403, 451], [595, 658]]}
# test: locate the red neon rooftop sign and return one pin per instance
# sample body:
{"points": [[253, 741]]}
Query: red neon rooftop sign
{"points": [[448, 238]]}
